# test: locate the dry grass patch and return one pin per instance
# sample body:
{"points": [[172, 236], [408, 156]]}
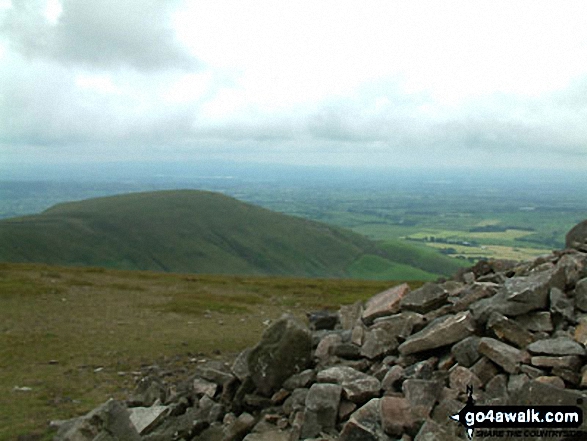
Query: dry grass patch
{"points": [[74, 336]]}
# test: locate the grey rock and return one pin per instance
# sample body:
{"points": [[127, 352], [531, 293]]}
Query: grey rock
{"points": [[385, 303], [300, 380], [296, 401], [432, 431], [537, 321], [460, 378], [349, 351], [471, 294], [561, 305], [285, 349], [465, 352], [502, 354], [557, 346], [424, 299], [365, 424], [350, 314], [581, 294], [109, 421], [326, 346], [270, 435], [520, 295], [576, 238], [393, 375], [237, 430], [204, 387], [509, 330], [422, 396], [396, 416], [321, 409], [569, 361], [145, 419], [322, 320], [358, 387], [148, 391], [377, 342], [240, 366], [441, 332]]}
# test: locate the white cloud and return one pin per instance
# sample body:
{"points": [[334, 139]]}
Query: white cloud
{"points": [[299, 81]]}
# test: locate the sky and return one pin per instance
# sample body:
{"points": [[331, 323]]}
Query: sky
{"points": [[500, 84]]}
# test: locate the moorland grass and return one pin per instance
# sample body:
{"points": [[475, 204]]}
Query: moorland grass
{"points": [[74, 336]]}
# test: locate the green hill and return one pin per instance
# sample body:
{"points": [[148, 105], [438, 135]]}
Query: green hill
{"points": [[201, 232]]}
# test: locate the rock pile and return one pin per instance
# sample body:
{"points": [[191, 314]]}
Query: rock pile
{"points": [[394, 368]]}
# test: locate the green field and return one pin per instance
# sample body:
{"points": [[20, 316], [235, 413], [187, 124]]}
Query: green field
{"points": [[77, 336]]}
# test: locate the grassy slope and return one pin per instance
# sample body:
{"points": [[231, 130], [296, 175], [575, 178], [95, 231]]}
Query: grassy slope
{"points": [[200, 232], [59, 326]]}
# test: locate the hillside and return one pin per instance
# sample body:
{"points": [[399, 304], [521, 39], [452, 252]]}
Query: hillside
{"points": [[201, 232]]}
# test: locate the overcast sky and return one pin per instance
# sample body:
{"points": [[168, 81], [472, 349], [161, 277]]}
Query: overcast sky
{"points": [[400, 83]]}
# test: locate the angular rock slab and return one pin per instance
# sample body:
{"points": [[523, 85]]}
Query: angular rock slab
{"points": [[396, 415], [145, 419], [357, 386], [321, 409], [502, 354], [109, 421], [285, 349], [557, 346], [520, 295], [365, 424], [441, 332], [576, 238], [424, 299], [385, 303]]}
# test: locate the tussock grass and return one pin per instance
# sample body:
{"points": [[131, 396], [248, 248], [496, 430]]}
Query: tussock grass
{"points": [[76, 335]]}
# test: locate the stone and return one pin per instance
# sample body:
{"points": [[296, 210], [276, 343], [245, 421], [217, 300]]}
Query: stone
{"points": [[285, 349], [441, 332], [502, 354], [471, 294], [357, 386], [365, 424], [270, 435], [214, 375], [350, 314], [520, 295], [349, 351], [378, 342], [322, 320], [460, 378], [148, 391], [240, 366], [557, 346], [509, 330], [385, 303], [485, 370], [321, 409], [581, 294], [537, 321], [534, 393], [393, 375], [428, 297], [396, 416], [576, 238], [204, 387], [465, 352], [237, 430], [145, 419], [580, 334], [496, 387], [109, 421], [296, 401], [569, 361], [301, 379], [561, 305], [551, 380], [432, 431], [345, 409], [326, 346], [422, 396]]}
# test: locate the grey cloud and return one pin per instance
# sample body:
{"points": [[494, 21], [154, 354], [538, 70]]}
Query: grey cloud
{"points": [[104, 34]]}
